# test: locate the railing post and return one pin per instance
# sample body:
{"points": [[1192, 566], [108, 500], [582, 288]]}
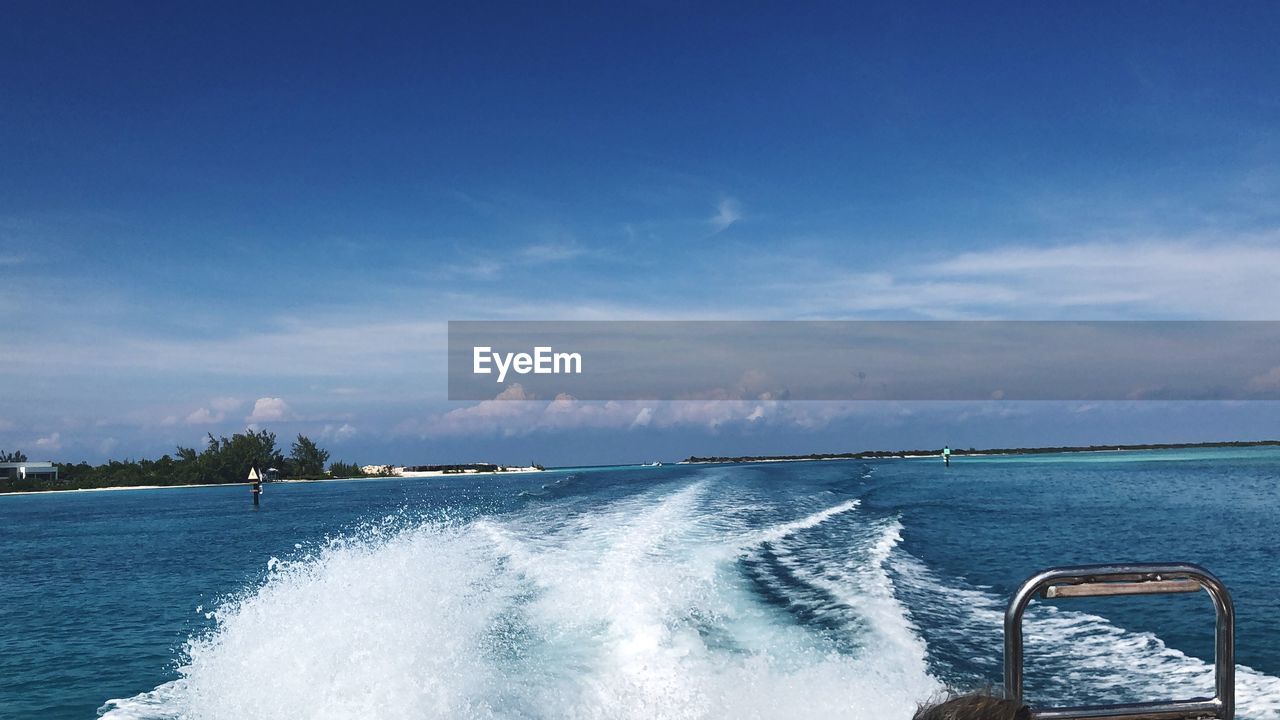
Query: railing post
{"points": [[1134, 579]]}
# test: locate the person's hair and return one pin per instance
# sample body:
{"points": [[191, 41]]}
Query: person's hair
{"points": [[973, 706]]}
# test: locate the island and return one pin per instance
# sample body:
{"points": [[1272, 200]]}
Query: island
{"points": [[434, 470], [884, 454], [222, 461]]}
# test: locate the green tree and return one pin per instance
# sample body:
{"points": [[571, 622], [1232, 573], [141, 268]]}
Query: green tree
{"points": [[341, 469], [227, 460], [307, 459], [15, 456]]}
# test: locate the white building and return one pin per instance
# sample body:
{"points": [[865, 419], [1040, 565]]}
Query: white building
{"points": [[380, 470], [28, 471]]}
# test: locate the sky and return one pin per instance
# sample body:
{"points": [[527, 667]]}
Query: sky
{"points": [[218, 215]]}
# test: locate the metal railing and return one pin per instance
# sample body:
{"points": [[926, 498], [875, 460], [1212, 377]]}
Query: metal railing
{"points": [[1136, 579]]}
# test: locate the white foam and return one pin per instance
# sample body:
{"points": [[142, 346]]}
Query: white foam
{"points": [[632, 610], [858, 578], [786, 529]]}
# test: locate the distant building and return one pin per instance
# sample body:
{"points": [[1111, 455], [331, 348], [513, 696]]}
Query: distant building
{"points": [[28, 471]]}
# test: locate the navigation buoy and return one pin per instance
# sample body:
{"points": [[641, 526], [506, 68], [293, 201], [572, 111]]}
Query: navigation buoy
{"points": [[255, 485], [946, 455]]}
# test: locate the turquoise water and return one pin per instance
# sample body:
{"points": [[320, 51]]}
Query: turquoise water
{"points": [[811, 589]]}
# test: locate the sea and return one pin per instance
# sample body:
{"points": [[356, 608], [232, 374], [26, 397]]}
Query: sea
{"points": [[834, 589]]}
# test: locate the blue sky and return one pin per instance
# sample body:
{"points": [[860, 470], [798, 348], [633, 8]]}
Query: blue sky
{"points": [[215, 215]]}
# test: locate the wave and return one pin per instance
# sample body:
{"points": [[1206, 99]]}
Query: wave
{"points": [[785, 529], [685, 601], [633, 609]]}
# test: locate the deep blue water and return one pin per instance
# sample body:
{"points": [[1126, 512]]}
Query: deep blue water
{"points": [[818, 589]]}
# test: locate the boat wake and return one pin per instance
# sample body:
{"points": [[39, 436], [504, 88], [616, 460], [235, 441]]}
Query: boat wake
{"points": [[648, 607], [696, 599]]}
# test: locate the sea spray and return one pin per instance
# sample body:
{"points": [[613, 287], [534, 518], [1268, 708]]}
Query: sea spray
{"points": [[633, 610]]}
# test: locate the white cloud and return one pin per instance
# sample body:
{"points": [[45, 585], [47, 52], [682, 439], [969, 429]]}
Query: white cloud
{"points": [[345, 431], [482, 269], [269, 408], [1138, 279], [551, 252], [509, 409], [539, 253], [336, 345], [333, 346], [995, 410], [1191, 279], [204, 416], [49, 442], [643, 418], [515, 413], [728, 212], [220, 407], [226, 404], [1267, 381]]}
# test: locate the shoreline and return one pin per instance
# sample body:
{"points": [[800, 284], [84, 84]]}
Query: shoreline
{"points": [[990, 452], [519, 471], [444, 473], [128, 487]]}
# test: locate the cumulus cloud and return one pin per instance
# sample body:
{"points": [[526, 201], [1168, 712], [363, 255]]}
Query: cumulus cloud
{"points": [[728, 212], [643, 418], [49, 442], [1267, 381], [225, 404], [501, 416], [502, 413], [204, 416], [345, 431], [267, 409], [217, 411]]}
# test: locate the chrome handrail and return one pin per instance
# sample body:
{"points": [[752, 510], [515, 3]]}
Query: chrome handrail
{"points": [[1134, 579]]}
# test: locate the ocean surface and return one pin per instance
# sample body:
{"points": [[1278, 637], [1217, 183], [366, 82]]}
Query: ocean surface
{"points": [[843, 589]]}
